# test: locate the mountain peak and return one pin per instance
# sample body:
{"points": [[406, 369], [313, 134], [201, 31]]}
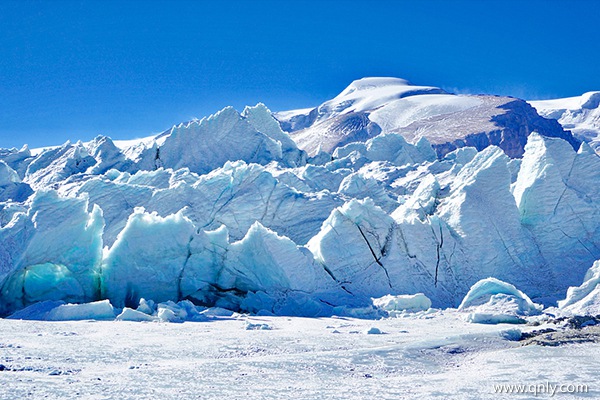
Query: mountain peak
{"points": [[374, 105], [369, 83]]}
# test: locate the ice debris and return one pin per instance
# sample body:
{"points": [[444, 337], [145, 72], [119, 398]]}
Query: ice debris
{"points": [[403, 303], [491, 301], [584, 299]]}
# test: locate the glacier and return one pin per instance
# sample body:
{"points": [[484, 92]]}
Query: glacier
{"points": [[309, 213]]}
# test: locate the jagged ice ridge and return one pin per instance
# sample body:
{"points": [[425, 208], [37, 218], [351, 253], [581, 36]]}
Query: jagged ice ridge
{"points": [[229, 211]]}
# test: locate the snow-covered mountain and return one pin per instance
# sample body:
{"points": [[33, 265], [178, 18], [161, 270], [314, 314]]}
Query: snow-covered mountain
{"points": [[580, 115], [233, 211], [370, 106]]}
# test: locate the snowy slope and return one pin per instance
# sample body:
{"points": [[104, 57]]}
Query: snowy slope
{"points": [[370, 106], [580, 115]]}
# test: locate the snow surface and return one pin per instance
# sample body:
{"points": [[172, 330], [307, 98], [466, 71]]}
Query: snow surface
{"points": [[401, 113], [371, 93], [434, 355]]}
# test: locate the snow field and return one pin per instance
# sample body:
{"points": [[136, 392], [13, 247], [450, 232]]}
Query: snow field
{"points": [[428, 356]]}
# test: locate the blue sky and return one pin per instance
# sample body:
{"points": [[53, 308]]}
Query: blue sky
{"points": [[73, 70]]}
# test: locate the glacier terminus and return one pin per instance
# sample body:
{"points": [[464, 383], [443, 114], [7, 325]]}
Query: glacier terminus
{"points": [[387, 189]]}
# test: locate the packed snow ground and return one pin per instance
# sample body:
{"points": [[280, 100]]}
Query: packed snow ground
{"points": [[426, 355]]}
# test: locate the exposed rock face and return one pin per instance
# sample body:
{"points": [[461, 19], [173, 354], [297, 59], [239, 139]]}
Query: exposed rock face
{"points": [[503, 122]]}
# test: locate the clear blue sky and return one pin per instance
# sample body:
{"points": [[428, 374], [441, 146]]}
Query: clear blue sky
{"points": [[72, 70]]}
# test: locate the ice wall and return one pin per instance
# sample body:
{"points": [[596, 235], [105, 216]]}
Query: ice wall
{"points": [[255, 226]]}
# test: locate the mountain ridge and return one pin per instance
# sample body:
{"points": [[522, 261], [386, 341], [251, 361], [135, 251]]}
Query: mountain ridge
{"points": [[370, 106]]}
